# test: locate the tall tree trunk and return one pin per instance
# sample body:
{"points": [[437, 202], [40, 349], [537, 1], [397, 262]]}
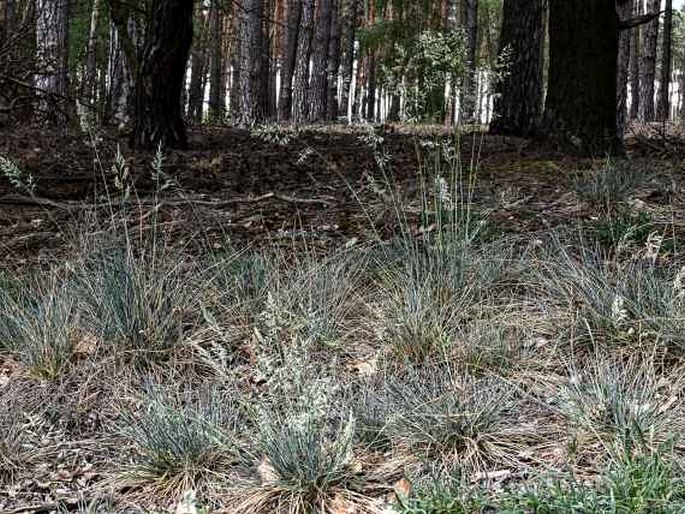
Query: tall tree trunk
{"points": [[319, 87], [468, 91], [236, 59], [348, 22], [90, 78], [160, 75], [451, 23], [371, 87], [251, 107], [663, 103], [580, 111], [333, 64], [635, 43], [51, 79], [301, 75], [216, 66], [624, 9], [649, 47], [267, 79], [290, 38], [198, 71], [518, 96]]}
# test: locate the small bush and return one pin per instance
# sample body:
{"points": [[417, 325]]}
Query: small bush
{"points": [[622, 403], [178, 444], [137, 304], [307, 457], [38, 325], [609, 184], [452, 421]]}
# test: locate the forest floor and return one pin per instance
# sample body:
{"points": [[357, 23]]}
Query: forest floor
{"points": [[319, 186], [341, 320]]}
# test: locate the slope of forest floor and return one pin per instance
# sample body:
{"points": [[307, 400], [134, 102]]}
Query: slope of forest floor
{"points": [[341, 320]]}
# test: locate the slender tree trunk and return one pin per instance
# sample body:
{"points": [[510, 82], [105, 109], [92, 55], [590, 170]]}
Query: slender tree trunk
{"points": [[635, 43], [251, 107], [649, 46], [468, 92], [451, 23], [161, 74], [216, 59], [198, 71], [518, 100], [290, 37], [333, 64], [51, 79], [301, 75], [663, 103], [580, 111], [371, 88], [90, 78], [624, 10], [348, 21], [267, 79], [319, 87]]}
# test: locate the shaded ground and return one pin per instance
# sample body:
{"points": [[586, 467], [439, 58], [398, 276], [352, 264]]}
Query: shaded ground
{"points": [[236, 184]]}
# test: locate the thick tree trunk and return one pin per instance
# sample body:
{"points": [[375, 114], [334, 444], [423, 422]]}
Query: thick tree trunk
{"points": [[234, 93], [160, 75], [635, 43], [348, 21], [624, 9], [468, 90], [251, 106], [333, 64], [649, 46], [51, 79], [216, 67], [301, 75], [663, 103], [290, 34], [518, 100], [580, 111], [319, 87]]}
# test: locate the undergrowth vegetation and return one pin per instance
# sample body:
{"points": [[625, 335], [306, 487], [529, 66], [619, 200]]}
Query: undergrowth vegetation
{"points": [[449, 370]]}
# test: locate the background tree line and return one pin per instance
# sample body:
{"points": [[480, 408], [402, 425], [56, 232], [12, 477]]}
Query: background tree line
{"points": [[574, 70]]}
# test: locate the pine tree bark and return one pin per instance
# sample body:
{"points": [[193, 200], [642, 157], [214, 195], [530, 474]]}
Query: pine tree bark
{"points": [[251, 106], [217, 96], [635, 44], [89, 89], [301, 75], [348, 22], [580, 111], [468, 90], [234, 92], [290, 34], [663, 102], [518, 96], [649, 47], [371, 87], [51, 79], [198, 71], [333, 64], [624, 10], [160, 75], [319, 80]]}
